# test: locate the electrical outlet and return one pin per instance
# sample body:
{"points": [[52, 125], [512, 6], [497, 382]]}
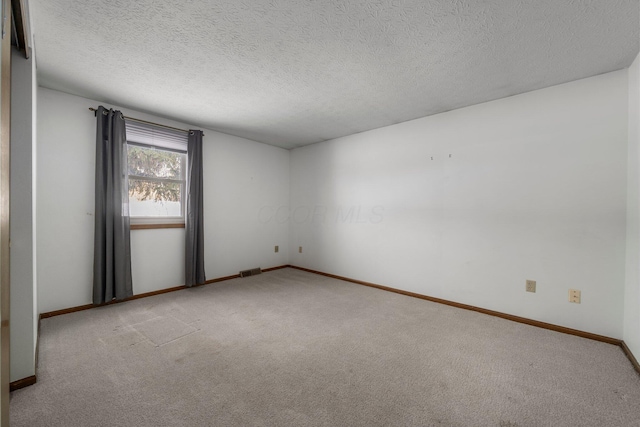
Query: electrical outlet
{"points": [[531, 286], [299, 249], [574, 296], [276, 249]]}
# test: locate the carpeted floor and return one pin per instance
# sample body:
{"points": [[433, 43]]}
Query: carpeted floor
{"points": [[290, 348]]}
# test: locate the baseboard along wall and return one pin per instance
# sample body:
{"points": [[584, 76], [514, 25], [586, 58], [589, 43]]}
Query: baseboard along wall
{"points": [[144, 295], [614, 341], [24, 382], [630, 355], [537, 323]]}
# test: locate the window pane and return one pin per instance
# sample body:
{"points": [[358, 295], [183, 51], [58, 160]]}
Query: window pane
{"points": [[152, 198], [154, 163]]}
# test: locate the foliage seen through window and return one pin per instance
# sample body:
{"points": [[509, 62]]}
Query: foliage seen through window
{"points": [[156, 181]]}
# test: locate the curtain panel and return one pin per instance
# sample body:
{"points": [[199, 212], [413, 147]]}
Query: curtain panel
{"points": [[112, 247], [194, 221]]}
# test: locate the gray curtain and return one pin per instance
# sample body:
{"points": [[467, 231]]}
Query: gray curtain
{"points": [[194, 223], [112, 249]]}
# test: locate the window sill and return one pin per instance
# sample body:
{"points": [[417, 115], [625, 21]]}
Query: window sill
{"points": [[154, 226]]}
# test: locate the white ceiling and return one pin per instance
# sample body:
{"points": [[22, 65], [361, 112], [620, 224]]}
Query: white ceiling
{"points": [[294, 72]]}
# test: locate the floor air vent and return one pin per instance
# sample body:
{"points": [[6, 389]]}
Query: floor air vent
{"points": [[251, 272]]}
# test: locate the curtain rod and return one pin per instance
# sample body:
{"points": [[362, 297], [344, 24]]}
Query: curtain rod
{"points": [[149, 123]]}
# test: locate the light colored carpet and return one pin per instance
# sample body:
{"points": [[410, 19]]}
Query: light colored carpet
{"points": [[290, 348]]}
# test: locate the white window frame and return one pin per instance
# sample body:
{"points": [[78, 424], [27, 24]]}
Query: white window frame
{"points": [[146, 135]]}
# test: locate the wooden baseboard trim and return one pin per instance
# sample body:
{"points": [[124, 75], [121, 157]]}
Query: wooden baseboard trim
{"points": [[630, 356], [90, 306], [66, 311], [511, 317], [221, 279], [143, 295], [275, 268], [236, 276], [25, 382]]}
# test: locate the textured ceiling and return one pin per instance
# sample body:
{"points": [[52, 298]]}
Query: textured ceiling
{"points": [[294, 72]]}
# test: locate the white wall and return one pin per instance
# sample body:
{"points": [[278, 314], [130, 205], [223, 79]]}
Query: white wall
{"points": [[632, 288], [240, 177], [535, 188], [23, 316]]}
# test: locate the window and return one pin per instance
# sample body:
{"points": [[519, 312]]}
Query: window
{"points": [[157, 163]]}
